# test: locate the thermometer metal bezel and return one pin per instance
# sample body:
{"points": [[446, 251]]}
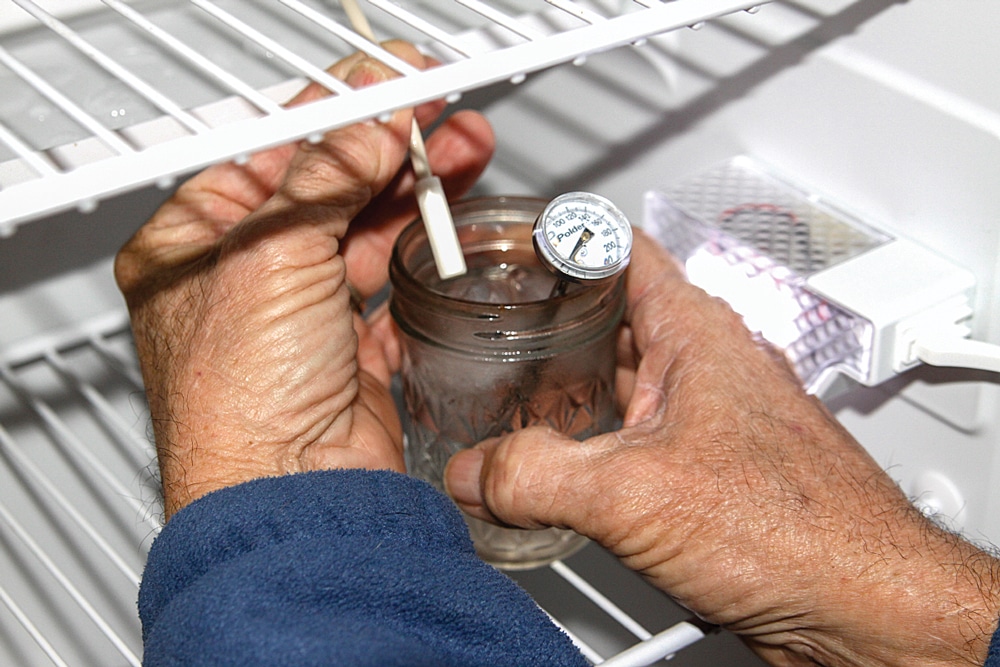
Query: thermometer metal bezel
{"points": [[566, 268]]}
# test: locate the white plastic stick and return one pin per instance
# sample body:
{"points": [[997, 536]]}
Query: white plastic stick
{"points": [[440, 227], [434, 209]]}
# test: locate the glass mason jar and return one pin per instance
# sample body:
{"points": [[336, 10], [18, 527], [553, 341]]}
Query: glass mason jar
{"points": [[490, 352]]}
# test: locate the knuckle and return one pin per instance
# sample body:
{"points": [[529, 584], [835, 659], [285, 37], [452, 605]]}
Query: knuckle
{"points": [[517, 477], [348, 167], [333, 173], [125, 269], [539, 477]]}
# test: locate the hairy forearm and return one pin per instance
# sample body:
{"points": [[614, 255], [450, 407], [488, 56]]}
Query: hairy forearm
{"points": [[934, 602], [907, 594]]}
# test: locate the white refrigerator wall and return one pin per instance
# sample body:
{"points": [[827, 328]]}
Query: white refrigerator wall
{"points": [[889, 108]]}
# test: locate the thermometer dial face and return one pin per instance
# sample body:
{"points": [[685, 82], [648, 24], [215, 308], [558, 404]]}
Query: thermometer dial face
{"points": [[583, 237]]}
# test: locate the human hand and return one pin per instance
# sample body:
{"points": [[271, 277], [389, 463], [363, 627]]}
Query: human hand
{"points": [[238, 294], [742, 497]]}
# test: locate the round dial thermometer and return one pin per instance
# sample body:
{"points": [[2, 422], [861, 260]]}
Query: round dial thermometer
{"points": [[582, 237]]}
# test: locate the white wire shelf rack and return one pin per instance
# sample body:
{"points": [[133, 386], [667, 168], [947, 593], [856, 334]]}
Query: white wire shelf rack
{"points": [[79, 506], [78, 498], [105, 96]]}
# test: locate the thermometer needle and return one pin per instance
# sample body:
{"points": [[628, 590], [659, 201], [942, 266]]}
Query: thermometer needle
{"points": [[560, 287], [582, 241]]}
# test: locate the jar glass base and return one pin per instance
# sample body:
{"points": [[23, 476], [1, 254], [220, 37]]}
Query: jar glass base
{"points": [[517, 549]]}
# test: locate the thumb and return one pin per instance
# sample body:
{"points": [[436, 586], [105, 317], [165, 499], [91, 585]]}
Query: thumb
{"points": [[529, 478], [334, 179]]}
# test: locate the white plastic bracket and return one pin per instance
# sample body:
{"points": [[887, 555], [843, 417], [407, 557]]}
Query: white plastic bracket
{"points": [[948, 321], [904, 290]]}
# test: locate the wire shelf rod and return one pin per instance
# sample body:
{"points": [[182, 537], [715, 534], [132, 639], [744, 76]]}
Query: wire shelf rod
{"points": [[577, 10], [503, 20], [661, 646], [359, 42], [100, 405], [507, 62], [123, 367], [31, 475], [71, 590], [179, 156], [421, 25], [71, 445], [32, 629], [110, 138], [34, 348], [304, 67], [199, 61], [111, 66], [37, 161], [598, 598], [803, 8]]}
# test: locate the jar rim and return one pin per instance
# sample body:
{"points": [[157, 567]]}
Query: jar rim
{"points": [[403, 279]]}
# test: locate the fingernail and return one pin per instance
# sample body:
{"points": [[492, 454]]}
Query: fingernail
{"points": [[364, 74], [461, 478]]}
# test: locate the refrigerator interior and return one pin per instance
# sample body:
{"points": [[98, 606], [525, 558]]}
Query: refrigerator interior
{"points": [[885, 106]]}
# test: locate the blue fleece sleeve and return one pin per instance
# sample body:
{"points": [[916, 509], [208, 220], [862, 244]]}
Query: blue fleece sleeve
{"points": [[341, 567], [993, 657]]}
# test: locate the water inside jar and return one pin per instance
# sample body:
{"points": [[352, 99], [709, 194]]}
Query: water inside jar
{"points": [[509, 275]]}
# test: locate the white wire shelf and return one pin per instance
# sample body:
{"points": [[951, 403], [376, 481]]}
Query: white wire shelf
{"points": [[78, 498], [79, 506], [106, 97]]}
